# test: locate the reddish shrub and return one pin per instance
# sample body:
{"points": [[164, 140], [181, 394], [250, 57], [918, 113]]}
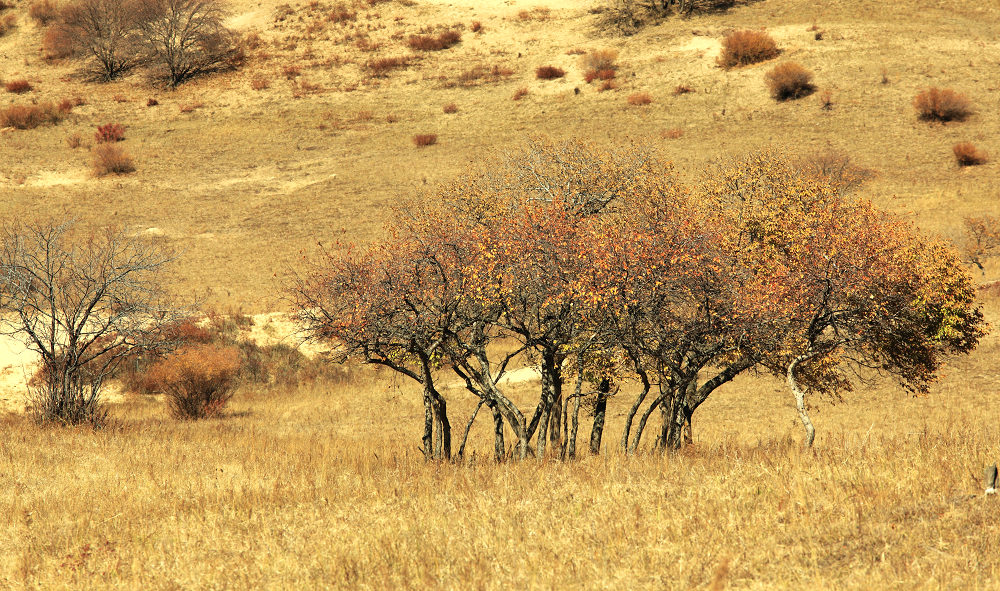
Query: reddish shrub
{"points": [[29, 116], [198, 379], [434, 43], [451, 108], [43, 11], [640, 98], [742, 48], [260, 83], [109, 133], [549, 72], [74, 141], [608, 85], [682, 89], [966, 154], [341, 14], [7, 24], [520, 93], [19, 86], [383, 65], [601, 59], [57, 44], [290, 72], [152, 102], [672, 134], [942, 104], [427, 139], [477, 27], [110, 159], [65, 106], [789, 81]]}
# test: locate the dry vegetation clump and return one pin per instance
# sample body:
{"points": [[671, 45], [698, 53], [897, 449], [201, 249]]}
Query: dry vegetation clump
{"points": [[74, 141], [942, 104], [745, 47], [444, 40], [152, 102], [476, 27], [608, 85], [549, 72], [682, 89], [382, 66], [520, 93], [43, 11], [789, 81], [672, 133], [826, 100], [539, 13], [450, 108], [835, 167], [260, 82], [111, 159], [483, 74], [57, 44], [7, 24], [109, 133], [425, 139], [198, 379], [640, 99], [342, 13], [19, 86], [30, 116], [600, 64], [967, 154]]}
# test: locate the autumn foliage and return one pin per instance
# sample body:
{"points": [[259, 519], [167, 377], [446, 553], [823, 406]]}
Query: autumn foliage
{"points": [[198, 379], [604, 267]]}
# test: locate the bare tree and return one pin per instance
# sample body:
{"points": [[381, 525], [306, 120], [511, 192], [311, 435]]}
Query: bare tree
{"points": [[187, 37], [106, 32], [84, 305]]}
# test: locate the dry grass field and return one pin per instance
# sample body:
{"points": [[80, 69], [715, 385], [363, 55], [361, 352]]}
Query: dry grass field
{"points": [[320, 485]]}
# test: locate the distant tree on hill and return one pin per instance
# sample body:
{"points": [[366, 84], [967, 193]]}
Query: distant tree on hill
{"points": [[105, 32]]}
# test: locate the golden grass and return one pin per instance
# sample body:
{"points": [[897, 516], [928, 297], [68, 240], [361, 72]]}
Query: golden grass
{"points": [[321, 487]]}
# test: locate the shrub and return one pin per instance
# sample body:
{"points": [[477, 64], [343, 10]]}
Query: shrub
{"points": [[29, 116], [427, 139], [109, 133], [640, 98], [383, 65], [742, 48], [260, 83], [434, 43], [451, 108], [477, 27], [57, 44], [826, 100], [341, 14], [608, 85], [19, 86], [152, 102], [520, 93], [190, 107], [601, 59], [966, 154], [198, 379], [291, 72], [549, 72], [835, 168], [789, 81], [7, 24], [74, 141], [672, 134], [942, 104], [682, 89], [43, 11], [110, 159], [65, 106]]}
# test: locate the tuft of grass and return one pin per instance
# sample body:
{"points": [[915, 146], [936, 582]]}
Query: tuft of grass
{"points": [[943, 105], [111, 159], [549, 72], [826, 100], [682, 89], [30, 116], [640, 99], [520, 93], [746, 47], [439, 42], [260, 82], [43, 11], [152, 102], [19, 86], [74, 141], [450, 108], [380, 67], [600, 59], [672, 134], [966, 154], [425, 139], [789, 81]]}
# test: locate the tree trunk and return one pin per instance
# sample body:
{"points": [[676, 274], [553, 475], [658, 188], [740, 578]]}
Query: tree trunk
{"points": [[574, 427], [468, 427], [428, 438], [600, 410], [800, 402], [631, 413], [642, 422], [499, 449]]}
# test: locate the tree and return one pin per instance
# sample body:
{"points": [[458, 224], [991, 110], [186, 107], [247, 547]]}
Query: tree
{"points": [[187, 37], [84, 304], [106, 32]]}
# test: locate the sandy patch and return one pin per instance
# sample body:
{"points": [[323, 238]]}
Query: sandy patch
{"points": [[17, 365], [56, 178]]}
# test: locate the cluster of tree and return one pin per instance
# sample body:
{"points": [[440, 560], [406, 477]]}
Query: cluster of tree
{"points": [[179, 39], [601, 267]]}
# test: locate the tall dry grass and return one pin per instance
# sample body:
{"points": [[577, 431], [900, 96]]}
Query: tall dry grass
{"points": [[322, 487]]}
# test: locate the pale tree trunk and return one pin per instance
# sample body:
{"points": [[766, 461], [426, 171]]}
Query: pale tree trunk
{"points": [[632, 411], [428, 438], [468, 427], [800, 402], [574, 427], [600, 410]]}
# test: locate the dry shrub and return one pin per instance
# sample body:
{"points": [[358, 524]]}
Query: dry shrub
{"points": [[540, 13], [291, 72], [110, 159], [109, 133], [29, 116], [549, 72], [434, 43], [65, 106], [520, 93], [672, 134], [20, 86], [365, 115], [592, 75], [152, 102], [483, 74], [477, 27], [742, 48], [74, 141], [4, 5], [942, 104], [682, 89], [57, 44], [426, 139], [789, 81], [190, 107], [601, 59], [121, 98], [451, 108], [392, 118], [640, 99], [43, 11], [7, 24], [826, 100], [260, 82], [608, 85], [382, 66], [836, 168], [198, 379], [342, 13], [966, 154]]}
